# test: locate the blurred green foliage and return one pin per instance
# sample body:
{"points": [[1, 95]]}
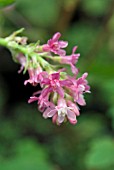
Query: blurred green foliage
{"points": [[27, 141], [36, 10], [96, 7], [29, 155], [101, 148], [5, 3]]}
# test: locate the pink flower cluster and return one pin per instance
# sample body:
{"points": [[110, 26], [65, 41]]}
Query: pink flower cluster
{"points": [[61, 93]]}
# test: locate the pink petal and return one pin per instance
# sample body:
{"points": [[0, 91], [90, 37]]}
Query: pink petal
{"points": [[37, 92], [73, 122], [46, 47], [51, 104], [32, 99], [73, 80], [66, 82], [74, 49], [46, 91], [62, 70], [82, 80], [74, 108], [60, 91], [84, 75], [56, 36], [51, 113], [46, 81], [87, 89], [61, 52], [50, 43], [60, 119], [55, 76], [71, 115], [75, 58], [21, 69], [63, 44], [27, 81], [81, 88], [45, 114], [74, 69], [44, 74], [54, 118], [81, 100], [61, 103]]}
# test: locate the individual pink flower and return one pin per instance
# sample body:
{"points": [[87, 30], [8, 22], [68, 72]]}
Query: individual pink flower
{"points": [[61, 112], [71, 60], [33, 74], [82, 80], [36, 75], [79, 87], [42, 101], [55, 84], [74, 107], [54, 45]]}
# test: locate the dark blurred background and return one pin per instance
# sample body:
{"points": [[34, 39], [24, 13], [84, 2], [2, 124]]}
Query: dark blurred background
{"points": [[29, 142]]}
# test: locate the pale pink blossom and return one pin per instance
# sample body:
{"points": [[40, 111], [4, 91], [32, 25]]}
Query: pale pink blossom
{"points": [[54, 45], [61, 112], [79, 87]]}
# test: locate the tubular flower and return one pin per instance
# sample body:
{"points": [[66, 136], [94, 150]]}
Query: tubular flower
{"points": [[71, 60], [35, 76], [79, 87], [54, 45], [60, 93]]}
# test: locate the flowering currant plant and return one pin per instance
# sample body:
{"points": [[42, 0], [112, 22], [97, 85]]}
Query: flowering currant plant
{"points": [[61, 93]]}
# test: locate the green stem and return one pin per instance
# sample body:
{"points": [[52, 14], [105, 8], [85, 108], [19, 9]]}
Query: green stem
{"points": [[12, 45], [54, 58], [3, 42]]}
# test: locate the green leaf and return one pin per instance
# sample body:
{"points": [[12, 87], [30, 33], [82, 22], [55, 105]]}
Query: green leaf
{"points": [[101, 154], [29, 156], [4, 3]]}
